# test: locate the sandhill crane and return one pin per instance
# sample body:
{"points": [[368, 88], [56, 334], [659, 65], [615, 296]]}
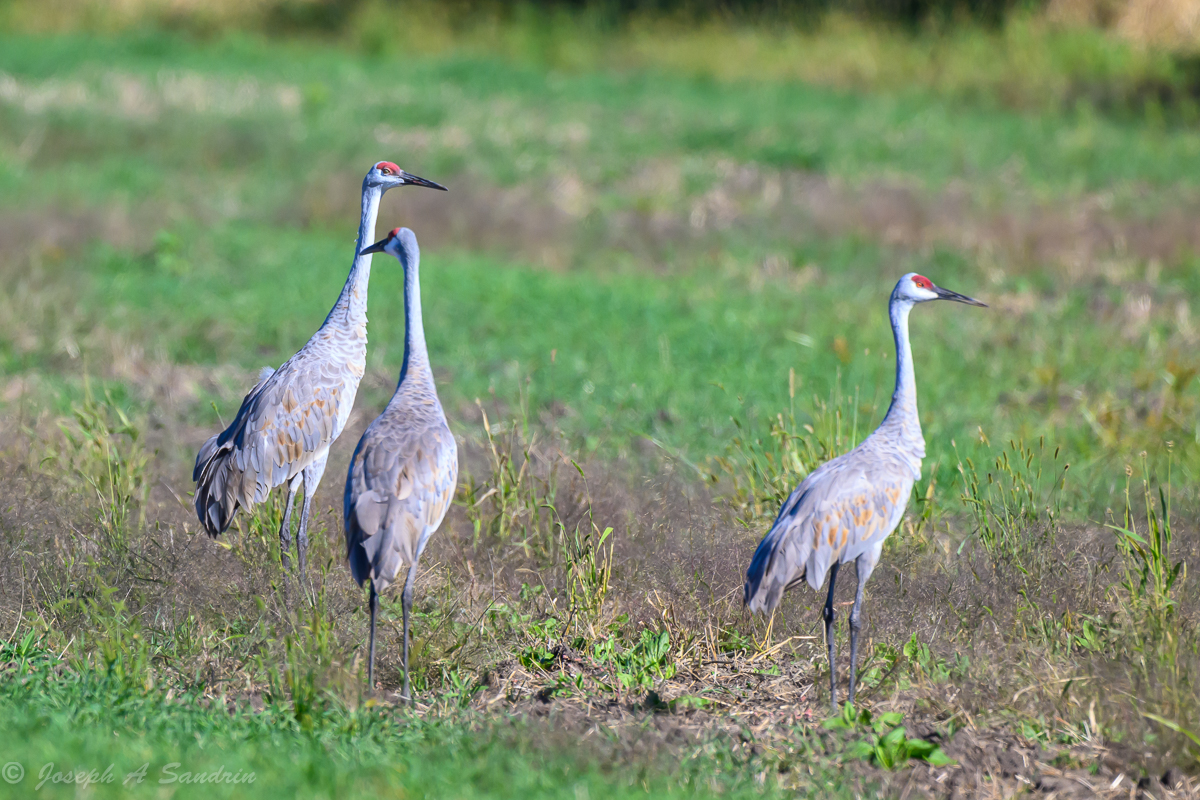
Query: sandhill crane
{"points": [[845, 509], [286, 423], [405, 468]]}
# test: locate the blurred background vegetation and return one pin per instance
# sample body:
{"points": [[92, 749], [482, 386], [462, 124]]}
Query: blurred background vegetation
{"points": [[1117, 55]]}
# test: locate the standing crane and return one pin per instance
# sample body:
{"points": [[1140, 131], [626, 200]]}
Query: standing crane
{"points": [[845, 509], [405, 468], [286, 423]]}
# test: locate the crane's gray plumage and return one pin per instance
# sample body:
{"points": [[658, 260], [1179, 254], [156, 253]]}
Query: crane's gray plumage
{"points": [[287, 422], [845, 509], [405, 469]]}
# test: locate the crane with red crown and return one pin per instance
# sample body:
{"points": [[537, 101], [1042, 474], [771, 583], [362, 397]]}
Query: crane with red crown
{"points": [[845, 509], [289, 419]]}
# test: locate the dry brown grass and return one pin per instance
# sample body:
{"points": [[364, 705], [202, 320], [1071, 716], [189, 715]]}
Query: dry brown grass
{"points": [[117, 15], [1173, 24]]}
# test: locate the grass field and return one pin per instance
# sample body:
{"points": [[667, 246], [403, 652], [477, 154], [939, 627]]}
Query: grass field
{"points": [[677, 280]]}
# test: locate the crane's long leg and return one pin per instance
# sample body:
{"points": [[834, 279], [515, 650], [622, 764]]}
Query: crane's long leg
{"points": [[302, 536], [856, 622], [312, 478], [374, 603], [407, 602], [829, 617], [285, 530], [864, 566]]}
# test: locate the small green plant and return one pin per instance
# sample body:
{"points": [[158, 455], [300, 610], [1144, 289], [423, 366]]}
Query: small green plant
{"points": [[103, 451], [114, 640], [731, 641], [541, 654], [884, 741], [514, 501], [459, 687], [26, 654], [1091, 634], [1016, 505], [537, 657], [938, 670], [639, 666], [588, 554], [1150, 579], [311, 679]]}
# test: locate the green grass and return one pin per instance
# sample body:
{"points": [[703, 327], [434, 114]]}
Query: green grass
{"points": [[514, 115], [668, 342], [634, 355], [59, 719]]}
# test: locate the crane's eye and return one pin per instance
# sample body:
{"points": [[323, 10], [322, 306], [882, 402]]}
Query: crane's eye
{"points": [[386, 170], [922, 281]]}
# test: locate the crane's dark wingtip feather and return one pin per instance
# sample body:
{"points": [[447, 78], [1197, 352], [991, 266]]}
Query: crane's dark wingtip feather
{"points": [[360, 565], [765, 584], [209, 511], [211, 474]]}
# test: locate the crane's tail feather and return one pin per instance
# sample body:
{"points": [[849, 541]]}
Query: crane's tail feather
{"points": [[205, 456], [216, 482], [363, 519], [778, 565], [226, 480], [380, 538], [360, 564]]}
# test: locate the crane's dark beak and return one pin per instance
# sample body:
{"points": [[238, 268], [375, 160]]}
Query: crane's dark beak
{"points": [[415, 181], [375, 248], [946, 294]]}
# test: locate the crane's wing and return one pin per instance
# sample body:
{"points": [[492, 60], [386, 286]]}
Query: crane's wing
{"points": [[284, 421], [840, 510], [398, 490]]}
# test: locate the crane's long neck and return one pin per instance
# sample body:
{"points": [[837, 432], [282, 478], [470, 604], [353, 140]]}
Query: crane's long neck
{"points": [[902, 416], [415, 372], [351, 305]]}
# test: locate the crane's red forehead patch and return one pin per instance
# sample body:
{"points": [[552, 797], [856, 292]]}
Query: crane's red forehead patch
{"points": [[922, 281], [388, 168], [395, 232]]}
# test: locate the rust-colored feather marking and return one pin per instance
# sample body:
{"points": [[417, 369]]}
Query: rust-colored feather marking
{"points": [[862, 515], [834, 516]]}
